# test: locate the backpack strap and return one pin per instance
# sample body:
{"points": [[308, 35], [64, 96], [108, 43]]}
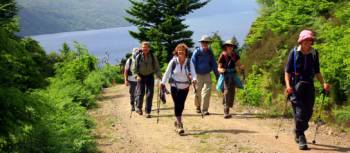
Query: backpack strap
{"points": [[138, 59], [187, 71], [153, 61], [129, 70]]}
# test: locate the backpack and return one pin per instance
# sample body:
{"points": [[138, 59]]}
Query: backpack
{"points": [[187, 70], [211, 55], [131, 62], [295, 58], [139, 59]]}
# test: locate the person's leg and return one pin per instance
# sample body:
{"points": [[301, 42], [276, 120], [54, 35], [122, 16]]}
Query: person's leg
{"points": [[132, 88], [175, 96], [140, 90], [182, 94], [198, 96], [206, 91], [309, 105], [150, 90], [229, 91], [301, 114]]}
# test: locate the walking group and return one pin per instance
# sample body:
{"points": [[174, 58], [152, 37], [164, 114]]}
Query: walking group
{"points": [[183, 72]]}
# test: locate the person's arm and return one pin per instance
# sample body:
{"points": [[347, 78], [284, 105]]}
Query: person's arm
{"points": [[126, 75], [135, 69], [167, 73], [157, 67], [239, 64], [289, 68], [193, 58], [221, 69], [214, 67], [319, 75], [193, 72]]}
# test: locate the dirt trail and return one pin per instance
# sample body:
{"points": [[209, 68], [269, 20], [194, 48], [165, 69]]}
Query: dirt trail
{"points": [[117, 132]]}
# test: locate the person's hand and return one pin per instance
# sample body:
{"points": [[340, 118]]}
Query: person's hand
{"points": [[162, 86], [126, 82], [241, 67], [138, 78], [326, 87], [159, 77], [222, 70], [289, 90], [194, 81]]}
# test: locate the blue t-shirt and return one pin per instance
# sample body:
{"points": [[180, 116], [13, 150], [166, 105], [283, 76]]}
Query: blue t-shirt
{"points": [[306, 65]]}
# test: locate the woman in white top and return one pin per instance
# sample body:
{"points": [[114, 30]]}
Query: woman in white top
{"points": [[180, 73]]}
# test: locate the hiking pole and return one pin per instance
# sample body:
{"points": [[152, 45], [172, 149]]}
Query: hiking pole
{"points": [[195, 93], [284, 114], [318, 121], [158, 102]]}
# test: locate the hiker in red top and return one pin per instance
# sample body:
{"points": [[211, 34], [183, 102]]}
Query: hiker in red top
{"points": [[302, 66], [227, 63]]}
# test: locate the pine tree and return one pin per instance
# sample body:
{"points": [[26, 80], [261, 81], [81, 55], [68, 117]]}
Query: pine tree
{"points": [[161, 22]]}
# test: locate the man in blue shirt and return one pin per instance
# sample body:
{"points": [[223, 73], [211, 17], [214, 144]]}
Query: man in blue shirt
{"points": [[204, 63]]}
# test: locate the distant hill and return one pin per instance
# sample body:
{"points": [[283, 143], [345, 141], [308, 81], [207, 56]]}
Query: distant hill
{"points": [[47, 16]]}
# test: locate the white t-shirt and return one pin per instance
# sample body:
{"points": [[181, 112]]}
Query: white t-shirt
{"points": [[127, 67], [179, 74]]}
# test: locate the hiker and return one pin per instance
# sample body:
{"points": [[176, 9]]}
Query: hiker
{"points": [[302, 66], [180, 73], [228, 61], [130, 79], [204, 63], [146, 65]]}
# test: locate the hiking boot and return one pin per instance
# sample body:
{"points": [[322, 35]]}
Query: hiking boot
{"points": [[198, 110], [180, 129], [206, 113], [132, 108], [227, 114], [148, 115], [139, 111], [302, 142]]}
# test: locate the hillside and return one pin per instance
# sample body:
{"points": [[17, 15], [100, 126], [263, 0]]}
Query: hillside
{"points": [[43, 17], [276, 31]]}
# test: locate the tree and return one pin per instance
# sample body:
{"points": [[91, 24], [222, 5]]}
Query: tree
{"points": [[8, 11], [161, 23]]}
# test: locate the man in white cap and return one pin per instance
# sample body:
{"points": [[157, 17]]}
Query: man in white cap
{"points": [[129, 78], [204, 63]]}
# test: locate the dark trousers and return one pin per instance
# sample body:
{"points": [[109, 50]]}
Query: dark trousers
{"points": [[146, 84], [229, 91], [132, 92], [303, 101], [179, 97]]}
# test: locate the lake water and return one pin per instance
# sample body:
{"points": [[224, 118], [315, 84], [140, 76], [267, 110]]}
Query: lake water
{"points": [[227, 17]]}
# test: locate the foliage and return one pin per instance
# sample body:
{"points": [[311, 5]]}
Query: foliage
{"points": [[275, 32], [161, 22]]}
